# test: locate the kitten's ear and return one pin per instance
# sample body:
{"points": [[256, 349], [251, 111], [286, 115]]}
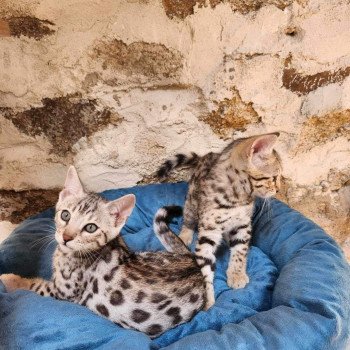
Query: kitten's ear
{"points": [[122, 207], [72, 186], [262, 145]]}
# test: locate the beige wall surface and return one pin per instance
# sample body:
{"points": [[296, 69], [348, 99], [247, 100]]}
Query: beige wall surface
{"points": [[115, 87]]}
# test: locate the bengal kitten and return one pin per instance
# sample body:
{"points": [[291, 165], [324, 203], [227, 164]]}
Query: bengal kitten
{"points": [[149, 292], [220, 200]]}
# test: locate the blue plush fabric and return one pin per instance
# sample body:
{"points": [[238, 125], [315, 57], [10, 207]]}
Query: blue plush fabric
{"points": [[297, 298]]}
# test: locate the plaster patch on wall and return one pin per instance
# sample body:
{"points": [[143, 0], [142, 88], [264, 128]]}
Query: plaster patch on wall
{"points": [[246, 6], [17, 206], [302, 83], [232, 114], [63, 120], [326, 100], [318, 130], [302, 3], [30, 27], [151, 60], [18, 8], [182, 9], [179, 8], [4, 28]]}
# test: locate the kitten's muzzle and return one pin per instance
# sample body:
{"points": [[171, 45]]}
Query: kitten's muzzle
{"points": [[66, 238]]}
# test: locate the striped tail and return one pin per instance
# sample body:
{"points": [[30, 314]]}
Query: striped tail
{"points": [[170, 241], [179, 160]]}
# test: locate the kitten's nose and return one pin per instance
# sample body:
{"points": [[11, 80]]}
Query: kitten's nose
{"points": [[66, 238]]}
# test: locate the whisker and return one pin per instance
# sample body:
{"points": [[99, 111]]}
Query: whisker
{"points": [[52, 240], [261, 209], [89, 257], [269, 210], [96, 257], [44, 245], [47, 225], [92, 257], [46, 229], [40, 240], [83, 254]]}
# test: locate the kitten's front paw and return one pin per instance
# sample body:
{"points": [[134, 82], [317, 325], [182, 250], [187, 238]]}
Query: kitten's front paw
{"points": [[237, 280], [12, 282], [210, 302], [210, 296]]}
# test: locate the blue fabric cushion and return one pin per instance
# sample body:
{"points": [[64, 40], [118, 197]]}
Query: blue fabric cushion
{"points": [[297, 298]]}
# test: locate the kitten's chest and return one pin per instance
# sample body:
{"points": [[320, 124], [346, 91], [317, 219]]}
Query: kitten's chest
{"points": [[69, 277], [239, 213], [228, 218]]}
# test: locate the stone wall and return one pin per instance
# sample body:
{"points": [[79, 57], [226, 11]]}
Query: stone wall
{"points": [[115, 87]]}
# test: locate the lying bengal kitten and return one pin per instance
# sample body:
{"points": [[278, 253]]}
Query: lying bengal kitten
{"points": [[220, 200], [149, 292]]}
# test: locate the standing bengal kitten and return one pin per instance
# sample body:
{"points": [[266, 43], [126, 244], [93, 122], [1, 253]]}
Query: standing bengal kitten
{"points": [[220, 200], [150, 292]]}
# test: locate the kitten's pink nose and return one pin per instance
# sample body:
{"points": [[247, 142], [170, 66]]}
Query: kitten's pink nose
{"points": [[66, 238]]}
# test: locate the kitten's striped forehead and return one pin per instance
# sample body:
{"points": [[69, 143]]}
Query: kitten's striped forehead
{"points": [[88, 205]]}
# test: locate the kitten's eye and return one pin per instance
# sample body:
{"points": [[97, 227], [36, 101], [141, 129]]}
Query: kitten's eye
{"points": [[65, 215], [91, 228]]}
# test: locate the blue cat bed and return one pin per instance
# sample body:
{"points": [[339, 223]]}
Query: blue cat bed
{"points": [[298, 296]]}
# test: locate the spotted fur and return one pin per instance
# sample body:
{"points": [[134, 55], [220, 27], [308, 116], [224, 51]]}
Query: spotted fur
{"points": [[220, 199], [149, 292]]}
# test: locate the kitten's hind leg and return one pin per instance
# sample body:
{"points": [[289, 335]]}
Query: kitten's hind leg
{"points": [[238, 239], [190, 221], [208, 241]]}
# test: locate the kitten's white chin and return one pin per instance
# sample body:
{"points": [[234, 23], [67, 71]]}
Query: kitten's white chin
{"points": [[65, 248]]}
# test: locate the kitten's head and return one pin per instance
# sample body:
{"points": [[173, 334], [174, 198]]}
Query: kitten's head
{"points": [[85, 221], [262, 163]]}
